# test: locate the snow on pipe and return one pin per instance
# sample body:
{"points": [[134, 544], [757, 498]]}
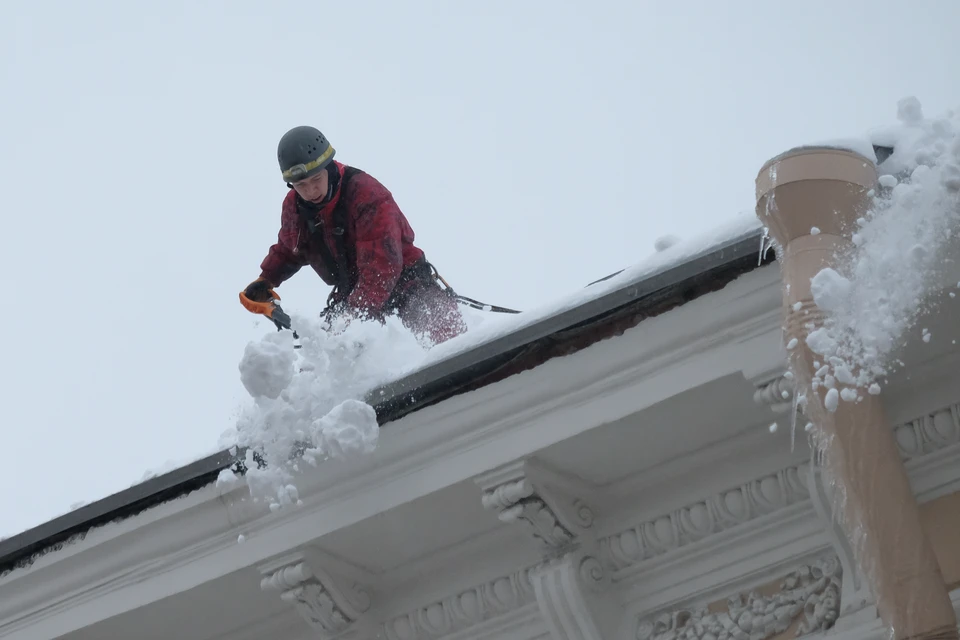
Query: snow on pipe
{"points": [[810, 199]]}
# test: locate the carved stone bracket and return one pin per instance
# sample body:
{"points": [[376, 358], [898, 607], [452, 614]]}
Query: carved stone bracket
{"points": [[776, 393], [333, 606], [808, 598], [569, 592], [553, 507]]}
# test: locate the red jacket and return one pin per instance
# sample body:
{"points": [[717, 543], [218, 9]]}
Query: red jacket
{"points": [[378, 240]]}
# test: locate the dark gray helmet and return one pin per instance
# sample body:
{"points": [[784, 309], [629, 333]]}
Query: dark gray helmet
{"points": [[303, 152]]}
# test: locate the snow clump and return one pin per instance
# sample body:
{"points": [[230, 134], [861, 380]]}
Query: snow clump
{"points": [[308, 403], [878, 290]]}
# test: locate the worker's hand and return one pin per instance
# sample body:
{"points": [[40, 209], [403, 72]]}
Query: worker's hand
{"points": [[258, 297], [260, 291]]}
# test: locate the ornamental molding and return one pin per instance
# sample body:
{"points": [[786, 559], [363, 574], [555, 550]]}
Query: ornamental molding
{"points": [[699, 520], [929, 433], [466, 608], [735, 506], [332, 605], [810, 595], [553, 507]]}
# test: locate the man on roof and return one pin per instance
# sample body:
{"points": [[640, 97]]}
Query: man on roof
{"points": [[346, 225]]}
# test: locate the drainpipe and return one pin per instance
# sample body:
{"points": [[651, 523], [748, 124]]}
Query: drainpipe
{"points": [[809, 198]]}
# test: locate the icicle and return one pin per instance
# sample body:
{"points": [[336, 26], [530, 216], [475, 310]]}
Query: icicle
{"points": [[793, 420], [763, 245]]}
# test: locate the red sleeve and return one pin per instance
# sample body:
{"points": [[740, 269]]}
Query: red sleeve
{"points": [[282, 260], [379, 229]]}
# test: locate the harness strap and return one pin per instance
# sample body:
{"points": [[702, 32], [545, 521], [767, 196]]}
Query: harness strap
{"points": [[339, 265]]}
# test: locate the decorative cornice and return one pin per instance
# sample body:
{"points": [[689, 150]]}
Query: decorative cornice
{"points": [[464, 609], [929, 433], [331, 606], [550, 505], [812, 591], [727, 509], [736, 506]]}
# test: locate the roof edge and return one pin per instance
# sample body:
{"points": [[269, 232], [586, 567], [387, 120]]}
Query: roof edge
{"points": [[486, 363]]}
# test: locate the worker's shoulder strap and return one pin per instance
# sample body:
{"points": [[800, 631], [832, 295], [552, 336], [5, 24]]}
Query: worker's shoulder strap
{"points": [[343, 265], [346, 259]]}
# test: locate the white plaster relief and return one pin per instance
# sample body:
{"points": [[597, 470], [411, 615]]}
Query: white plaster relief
{"points": [[810, 594]]}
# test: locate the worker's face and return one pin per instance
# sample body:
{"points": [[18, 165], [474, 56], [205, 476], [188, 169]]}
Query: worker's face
{"points": [[314, 188]]}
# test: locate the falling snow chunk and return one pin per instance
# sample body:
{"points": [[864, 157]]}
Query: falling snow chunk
{"points": [[909, 110], [848, 394], [797, 306], [832, 400], [267, 366], [241, 538], [793, 343], [227, 478], [808, 427], [843, 375], [350, 428], [821, 342], [888, 181], [830, 290], [874, 389], [773, 427], [814, 231]]}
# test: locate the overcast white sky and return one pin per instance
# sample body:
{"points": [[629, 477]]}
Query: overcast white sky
{"points": [[535, 146]]}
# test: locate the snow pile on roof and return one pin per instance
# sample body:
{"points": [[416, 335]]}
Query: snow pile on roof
{"points": [[884, 285]]}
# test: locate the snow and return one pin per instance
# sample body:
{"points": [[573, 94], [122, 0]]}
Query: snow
{"points": [[349, 429], [267, 368], [878, 291], [311, 399], [831, 401], [665, 242], [829, 289]]}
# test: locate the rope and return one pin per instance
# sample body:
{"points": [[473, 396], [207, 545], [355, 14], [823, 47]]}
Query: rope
{"points": [[470, 302]]}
